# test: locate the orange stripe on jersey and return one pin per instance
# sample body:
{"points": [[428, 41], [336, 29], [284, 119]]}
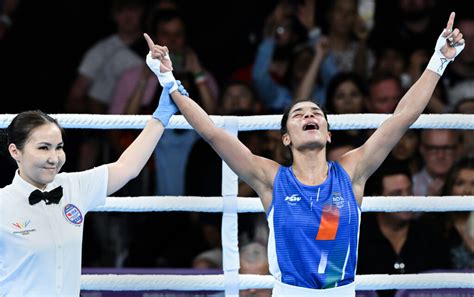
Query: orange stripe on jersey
{"points": [[329, 223]]}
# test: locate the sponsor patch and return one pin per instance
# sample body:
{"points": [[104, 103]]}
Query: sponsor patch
{"points": [[337, 200], [293, 199]]}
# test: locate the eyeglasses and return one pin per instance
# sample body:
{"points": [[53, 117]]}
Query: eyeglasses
{"points": [[431, 149]]}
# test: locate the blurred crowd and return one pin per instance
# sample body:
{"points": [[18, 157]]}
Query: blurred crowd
{"points": [[348, 56]]}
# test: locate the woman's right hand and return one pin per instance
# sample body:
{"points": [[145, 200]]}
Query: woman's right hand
{"points": [[159, 62]]}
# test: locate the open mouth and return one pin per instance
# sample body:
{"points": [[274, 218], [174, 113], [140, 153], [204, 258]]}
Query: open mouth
{"points": [[310, 126]]}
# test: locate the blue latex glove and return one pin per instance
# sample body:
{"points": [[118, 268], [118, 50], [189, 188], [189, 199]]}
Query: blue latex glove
{"points": [[166, 106], [181, 89]]}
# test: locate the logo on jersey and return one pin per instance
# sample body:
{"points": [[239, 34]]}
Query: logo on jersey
{"points": [[73, 214], [337, 200], [23, 228], [293, 199]]}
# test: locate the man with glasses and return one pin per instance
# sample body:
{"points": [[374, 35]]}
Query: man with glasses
{"points": [[439, 149]]}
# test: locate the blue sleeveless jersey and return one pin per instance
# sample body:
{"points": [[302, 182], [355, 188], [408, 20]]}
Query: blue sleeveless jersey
{"points": [[314, 230]]}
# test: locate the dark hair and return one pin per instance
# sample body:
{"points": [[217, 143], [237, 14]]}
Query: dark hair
{"points": [[300, 35], [24, 123], [118, 5], [341, 138], [382, 76], [466, 162], [163, 15], [338, 80], [286, 113], [456, 108], [388, 168], [327, 8], [239, 82]]}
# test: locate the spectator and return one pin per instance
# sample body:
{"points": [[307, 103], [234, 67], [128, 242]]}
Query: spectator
{"points": [[348, 51], [408, 24], [385, 90], [459, 231], [402, 244], [210, 259], [466, 106], [341, 143], [169, 27], [406, 150], [439, 102], [97, 74], [346, 94], [390, 59], [271, 71], [128, 17], [254, 260], [439, 149]]}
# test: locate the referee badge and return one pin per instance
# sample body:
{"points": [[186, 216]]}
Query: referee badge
{"points": [[73, 215]]}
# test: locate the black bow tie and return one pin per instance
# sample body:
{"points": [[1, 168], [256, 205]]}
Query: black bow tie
{"points": [[52, 196]]}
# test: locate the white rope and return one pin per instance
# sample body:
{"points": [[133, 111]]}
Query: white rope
{"points": [[251, 123], [246, 204], [134, 282], [215, 204]]}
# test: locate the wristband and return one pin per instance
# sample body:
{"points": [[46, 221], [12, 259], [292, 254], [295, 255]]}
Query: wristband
{"points": [[438, 61], [165, 78]]}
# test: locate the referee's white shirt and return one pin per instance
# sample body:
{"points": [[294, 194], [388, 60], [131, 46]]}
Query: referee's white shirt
{"points": [[40, 245]]}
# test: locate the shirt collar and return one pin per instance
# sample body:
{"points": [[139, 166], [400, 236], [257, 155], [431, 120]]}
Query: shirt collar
{"points": [[24, 187]]}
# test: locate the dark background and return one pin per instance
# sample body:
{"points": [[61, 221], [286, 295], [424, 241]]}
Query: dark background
{"points": [[42, 50], [39, 57]]}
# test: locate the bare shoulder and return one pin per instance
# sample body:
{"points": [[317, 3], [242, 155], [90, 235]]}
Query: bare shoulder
{"points": [[349, 162], [268, 171]]}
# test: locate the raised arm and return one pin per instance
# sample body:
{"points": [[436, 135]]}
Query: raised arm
{"points": [[256, 171], [308, 83], [134, 158], [363, 161]]}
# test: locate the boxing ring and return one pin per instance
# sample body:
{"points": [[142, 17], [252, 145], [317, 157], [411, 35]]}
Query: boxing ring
{"points": [[230, 205]]}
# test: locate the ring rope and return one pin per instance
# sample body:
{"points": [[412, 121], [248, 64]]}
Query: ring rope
{"points": [[131, 282], [246, 204], [267, 122], [251, 123]]}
